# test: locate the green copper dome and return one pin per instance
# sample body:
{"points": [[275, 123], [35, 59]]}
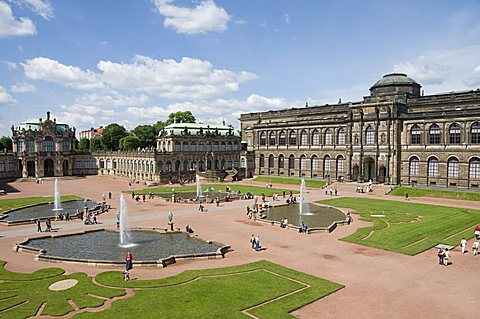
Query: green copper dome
{"points": [[394, 79]]}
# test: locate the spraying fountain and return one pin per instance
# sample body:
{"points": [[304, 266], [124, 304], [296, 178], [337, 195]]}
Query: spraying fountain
{"points": [[124, 236], [57, 205], [199, 187], [302, 208]]}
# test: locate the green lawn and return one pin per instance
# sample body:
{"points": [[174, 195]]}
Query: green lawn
{"points": [[256, 190], [408, 228], [217, 293], [422, 192], [22, 295], [11, 203], [288, 180]]}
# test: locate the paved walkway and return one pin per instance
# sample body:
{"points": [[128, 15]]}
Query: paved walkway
{"points": [[378, 283]]}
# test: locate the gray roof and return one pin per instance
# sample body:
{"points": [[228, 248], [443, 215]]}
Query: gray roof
{"points": [[394, 79]]}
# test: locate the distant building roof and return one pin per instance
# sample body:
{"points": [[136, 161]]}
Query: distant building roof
{"points": [[394, 79], [198, 128]]}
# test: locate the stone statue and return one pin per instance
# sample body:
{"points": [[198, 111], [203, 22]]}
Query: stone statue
{"points": [[170, 220]]}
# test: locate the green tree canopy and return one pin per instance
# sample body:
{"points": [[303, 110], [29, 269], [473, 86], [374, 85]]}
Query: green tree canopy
{"points": [[158, 127], [96, 144], [111, 136], [130, 142], [181, 117], [5, 143], [84, 144], [146, 135]]}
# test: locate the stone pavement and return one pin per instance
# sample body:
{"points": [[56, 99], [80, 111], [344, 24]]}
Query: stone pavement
{"points": [[378, 283]]}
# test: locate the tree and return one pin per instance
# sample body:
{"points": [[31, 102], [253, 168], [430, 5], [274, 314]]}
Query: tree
{"points": [[181, 117], [96, 144], [111, 136], [5, 143], [158, 127], [130, 142], [84, 144], [146, 135]]}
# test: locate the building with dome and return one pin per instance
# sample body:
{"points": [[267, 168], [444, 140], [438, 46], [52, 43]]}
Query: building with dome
{"points": [[395, 135]]}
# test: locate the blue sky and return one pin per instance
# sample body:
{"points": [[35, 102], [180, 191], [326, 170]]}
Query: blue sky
{"points": [[133, 62]]}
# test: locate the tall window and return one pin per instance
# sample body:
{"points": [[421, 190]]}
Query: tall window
{"points": [[19, 146], [292, 138], [272, 139], [271, 161], [329, 137], [370, 135], [201, 147], [291, 162], [281, 161], [475, 133], [326, 164], [223, 146], [340, 164], [414, 166], [30, 145], [216, 147], [303, 163], [193, 146], [178, 146], [314, 163], [304, 138], [415, 135], [453, 167], [185, 147], [65, 145], [474, 168], [262, 160], [282, 139], [315, 138], [434, 134], [263, 139], [48, 144], [341, 137], [454, 133], [432, 167]]}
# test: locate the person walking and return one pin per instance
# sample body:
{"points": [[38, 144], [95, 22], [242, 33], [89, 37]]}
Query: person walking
{"points": [[463, 245], [252, 241], [128, 261], [475, 248], [257, 243], [440, 255], [39, 226], [446, 257]]}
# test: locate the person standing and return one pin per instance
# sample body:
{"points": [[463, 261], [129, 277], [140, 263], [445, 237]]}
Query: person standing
{"points": [[257, 243], [128, 261], [440, 255], [39, 226], [463, 244], [446, 257], [475, 248], [252, 241]]}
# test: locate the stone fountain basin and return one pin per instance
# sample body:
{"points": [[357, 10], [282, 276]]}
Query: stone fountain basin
{"points": [[101, 247], [318, 218]]}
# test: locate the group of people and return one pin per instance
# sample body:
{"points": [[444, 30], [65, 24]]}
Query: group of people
{"points": [[255, 241], [48, 225], [331, 191], [284, 223], [444, 257]]}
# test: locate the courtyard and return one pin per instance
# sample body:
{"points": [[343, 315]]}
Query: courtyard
{"points": [[371, 273]]}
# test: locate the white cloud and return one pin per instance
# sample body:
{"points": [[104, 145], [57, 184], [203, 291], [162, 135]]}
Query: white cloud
{"points": [[474, 79], [23, 88], [5, 98], [41, 7], [204, 17], [9, 64], [70, 76], [11, 27], [114, 99], [190, 78], [424, 72]]}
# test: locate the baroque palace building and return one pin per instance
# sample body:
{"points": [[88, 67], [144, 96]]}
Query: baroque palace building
{"points": [[395, 135]]}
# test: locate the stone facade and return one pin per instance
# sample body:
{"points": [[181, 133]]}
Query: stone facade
{"points": [[371, 139]]}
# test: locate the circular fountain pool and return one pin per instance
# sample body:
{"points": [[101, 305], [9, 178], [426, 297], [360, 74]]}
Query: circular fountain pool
{"points": [[102, 247]]}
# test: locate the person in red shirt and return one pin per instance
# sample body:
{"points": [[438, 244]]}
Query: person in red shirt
{"points": [[477, 232]]}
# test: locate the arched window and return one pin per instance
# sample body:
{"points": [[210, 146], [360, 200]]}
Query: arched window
{"points": [[235, 146], [168, 166], [304, 138], [272, 139], [216, 164], [414, 166], [314, 163], [326, 165], [303, 162], [185, 147], [292, 140], [271, 161], [30, 145], [177, 165], [229, 146], [475, 133], [329, 136], [185, 166], [193, 147], [48, 144], [215, 147], [415, 135], [474, 168], [201, 147], [282, 138], [242, 163], [223, 146], [19, 146], [209, 148], [315, 138], [454, 132], [65, 145], [434, 134], [209, 164], [160, 166], [341, 137], [281, 161], [261, 160], [263, 139], [178, 146], [340, 163], [370, 135], [453, 167], [201, 166], [432, 167], [291, 162]]}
